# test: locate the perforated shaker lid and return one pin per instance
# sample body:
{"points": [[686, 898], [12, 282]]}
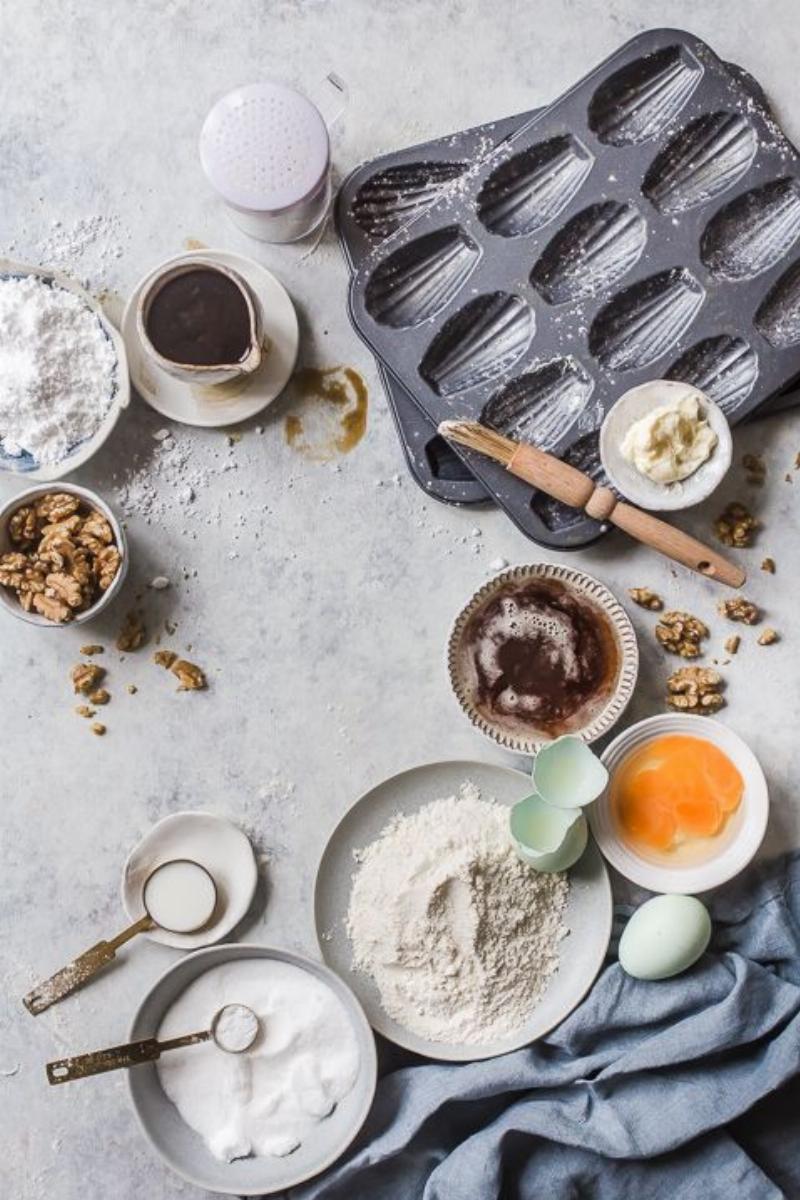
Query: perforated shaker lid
{"points": [[264, 147]]}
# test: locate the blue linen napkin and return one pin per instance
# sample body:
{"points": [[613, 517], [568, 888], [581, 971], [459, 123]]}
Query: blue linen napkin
{"points": [[639, 1094]]}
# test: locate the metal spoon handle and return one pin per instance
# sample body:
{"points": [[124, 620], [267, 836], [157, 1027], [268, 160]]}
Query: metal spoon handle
{"points": [[80, 970], [64, 1070]]}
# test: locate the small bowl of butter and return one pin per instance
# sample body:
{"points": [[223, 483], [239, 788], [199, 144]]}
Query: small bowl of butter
{"points": [[665, 445]]}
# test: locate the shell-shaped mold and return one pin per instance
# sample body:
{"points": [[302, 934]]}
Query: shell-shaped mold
{"points": [[778, 317], [541, 405], [528, 190], [479, 342], [392, 197], [594, 250], [641, 323], [753, 232], [585, 455], [415, 282], [701, 162], [724, 367], [635, 103]]}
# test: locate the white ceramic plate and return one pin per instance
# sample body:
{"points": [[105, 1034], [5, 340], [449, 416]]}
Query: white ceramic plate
{"points": [[25, 464], [194, 404], [463, 681], [219, 846], [637, 403], [589, 909], [183, 1150], [749, 821]]}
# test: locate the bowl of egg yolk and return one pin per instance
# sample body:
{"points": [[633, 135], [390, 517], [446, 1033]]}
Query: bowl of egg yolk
{"points": [[686, 804]]}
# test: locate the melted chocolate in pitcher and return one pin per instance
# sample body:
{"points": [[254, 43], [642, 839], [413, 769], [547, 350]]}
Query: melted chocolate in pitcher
{"points": [[200, 318]]}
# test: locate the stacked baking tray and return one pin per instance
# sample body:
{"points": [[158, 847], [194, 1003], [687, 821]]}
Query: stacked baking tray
{"points": [[528, 272]]}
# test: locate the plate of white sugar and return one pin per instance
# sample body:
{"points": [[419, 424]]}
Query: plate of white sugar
{"points": [[63, 373], [266, 1119], [455, 948]]}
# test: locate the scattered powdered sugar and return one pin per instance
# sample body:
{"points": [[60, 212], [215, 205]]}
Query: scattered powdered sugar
{"points": [[86, 248], [58, 369], [459, 936]]}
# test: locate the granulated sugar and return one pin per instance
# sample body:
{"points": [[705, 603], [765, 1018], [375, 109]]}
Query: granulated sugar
{"points": [[58, 369], [459, 936]]}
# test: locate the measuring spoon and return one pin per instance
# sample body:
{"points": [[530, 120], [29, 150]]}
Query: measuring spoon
{"points": [[234, 1028], [179, 896]]}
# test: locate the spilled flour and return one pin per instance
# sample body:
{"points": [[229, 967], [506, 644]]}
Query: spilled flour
{"points": [[459, 936]]}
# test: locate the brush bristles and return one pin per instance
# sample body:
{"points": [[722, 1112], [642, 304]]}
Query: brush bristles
{"points": [[478, 437]]}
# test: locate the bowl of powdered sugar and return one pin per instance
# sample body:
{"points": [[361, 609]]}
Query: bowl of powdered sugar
{"points": [[63, 373]]}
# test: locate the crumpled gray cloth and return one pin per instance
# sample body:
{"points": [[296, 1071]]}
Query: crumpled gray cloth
{"points": [[639, 1093]]}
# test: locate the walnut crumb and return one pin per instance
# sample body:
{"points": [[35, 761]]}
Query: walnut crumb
{"points": [[736, 525], [98, 728], [91, 649], [83, 710], [165, 658], [767, 637], [732, 644], [695, 689], [191, 678], [645, 598], [768, 565], [101, 696], [86, 677], [755, 467], [681, 633], [132, 689], [132, 634], [739, 609]]}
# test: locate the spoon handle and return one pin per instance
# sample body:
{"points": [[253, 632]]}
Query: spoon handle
{"points": [[80, 970], [64, 1070]]}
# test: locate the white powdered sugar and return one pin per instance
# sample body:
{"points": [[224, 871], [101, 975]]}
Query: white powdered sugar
{"points": [[58, 370], [459, 936]]}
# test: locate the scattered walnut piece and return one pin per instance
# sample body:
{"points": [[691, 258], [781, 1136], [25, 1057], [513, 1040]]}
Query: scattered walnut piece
{"points": [[736, 525], [681, 633], [190, 676], [696, 689], [767, 637], [83, 710], [90, 649], [797, 461], [646, 599], [165, 658], [55, 570], [86, 677], [101, 696], [132, 634], [768, 565], [755, 467], [98, 728], [732, 644], [132, 689], [739, 609]]}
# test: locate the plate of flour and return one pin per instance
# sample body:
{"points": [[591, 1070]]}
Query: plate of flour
{"points": [[455, 948]]}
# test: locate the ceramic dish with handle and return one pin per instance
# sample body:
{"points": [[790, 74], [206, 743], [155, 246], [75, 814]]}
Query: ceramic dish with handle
{"points": [[26, 464], [631, 407], [8, 598], [738, 842], [588, 914], [598, 716], [184, 1150]]}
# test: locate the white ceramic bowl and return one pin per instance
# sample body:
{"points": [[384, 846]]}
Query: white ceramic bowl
{"points": [[636, 487], [183, 1149], [8, 598], [750, 819], [25, 464]]}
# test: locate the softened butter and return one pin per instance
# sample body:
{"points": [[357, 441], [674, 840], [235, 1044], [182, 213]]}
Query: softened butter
{"points": [[671, 441]]}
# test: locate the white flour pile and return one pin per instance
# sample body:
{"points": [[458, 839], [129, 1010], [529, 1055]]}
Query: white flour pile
{"points": [[58, 370], [459, 936]]}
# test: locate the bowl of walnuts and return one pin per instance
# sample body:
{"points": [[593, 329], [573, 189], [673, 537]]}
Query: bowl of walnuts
{"points": [[63, 555]]}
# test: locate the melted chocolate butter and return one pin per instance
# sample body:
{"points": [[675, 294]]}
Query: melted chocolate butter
{"points": [[200, 318], [541, 654]]}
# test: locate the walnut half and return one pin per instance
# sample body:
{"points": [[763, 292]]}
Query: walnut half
{"points": [[739, 609], [646, 599], [681, 633], [695, 689]]}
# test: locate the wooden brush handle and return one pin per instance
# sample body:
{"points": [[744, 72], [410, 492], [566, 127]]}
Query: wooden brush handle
{"points": [[578, 490]]}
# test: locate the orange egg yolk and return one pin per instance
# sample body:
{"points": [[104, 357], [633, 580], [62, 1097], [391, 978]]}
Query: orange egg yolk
{"points": [[675, 788]]}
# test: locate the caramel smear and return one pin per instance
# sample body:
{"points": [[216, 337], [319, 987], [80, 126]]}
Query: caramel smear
{"points": [[329, 413], [193, 243]]}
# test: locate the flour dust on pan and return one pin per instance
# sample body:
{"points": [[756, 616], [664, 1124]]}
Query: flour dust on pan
{"points": [[496, 967], [328, 414]]}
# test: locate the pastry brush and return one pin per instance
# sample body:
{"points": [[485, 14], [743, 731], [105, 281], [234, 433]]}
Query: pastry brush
{"points": [[573, 487]]}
